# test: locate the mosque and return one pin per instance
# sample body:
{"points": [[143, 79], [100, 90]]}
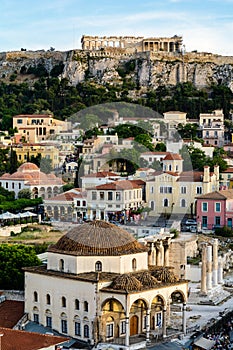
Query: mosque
{"points": [[99, 285]]}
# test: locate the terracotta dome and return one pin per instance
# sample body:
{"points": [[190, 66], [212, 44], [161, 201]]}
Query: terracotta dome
{"points": [[97, 238], [28, 167], [126, 282]]}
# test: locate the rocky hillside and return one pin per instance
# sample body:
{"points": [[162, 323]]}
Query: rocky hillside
{"points": [[141, 71]]}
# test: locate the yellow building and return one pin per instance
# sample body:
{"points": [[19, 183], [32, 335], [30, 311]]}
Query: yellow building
{"points": [[27, 150], [37, 127]]}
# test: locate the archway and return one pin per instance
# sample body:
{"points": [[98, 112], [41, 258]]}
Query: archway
{"points": [[138, 315], [113, 321]]}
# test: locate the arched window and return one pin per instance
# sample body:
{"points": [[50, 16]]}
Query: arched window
{"points": [[98, 266], [86, 331], [61, 265], [48, 299], [63, 302], [183, 203], [64, 328], [152, 205], [152, 189], [165, 202], [36, 314], [170, 167], [134, 264], [85, 305], [35, 296], [76, 304], [77, 326]]}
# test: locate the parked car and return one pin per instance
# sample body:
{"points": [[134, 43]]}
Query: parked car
{"points": [[190, 222], [193, 228]]}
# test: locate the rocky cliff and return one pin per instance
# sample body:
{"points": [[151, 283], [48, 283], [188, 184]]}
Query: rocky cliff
{"points": [[145, 70]]}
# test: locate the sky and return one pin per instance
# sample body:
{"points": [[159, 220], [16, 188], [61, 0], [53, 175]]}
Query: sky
{"points": [[205, 25]]}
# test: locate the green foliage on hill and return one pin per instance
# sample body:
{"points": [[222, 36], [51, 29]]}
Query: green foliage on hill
{"points": [[12, 259], [50, 93]]}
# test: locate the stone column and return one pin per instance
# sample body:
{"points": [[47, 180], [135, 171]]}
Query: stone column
{"points": [[215, 262], [164, 321], [159, 246], [150, 255], [127, 331], [184, 318], [209, 267], [220, 270], [148, 325], [203, 269]]}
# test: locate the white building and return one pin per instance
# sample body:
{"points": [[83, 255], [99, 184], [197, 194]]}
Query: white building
{"points": [[28, 176], [100, 284]]}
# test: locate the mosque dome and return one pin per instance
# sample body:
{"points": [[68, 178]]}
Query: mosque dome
{"points": [[25, 167], [97, 238]]}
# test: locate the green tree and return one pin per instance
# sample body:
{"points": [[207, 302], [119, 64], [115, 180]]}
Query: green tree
{"points": [[25, 193], [12, 260]]}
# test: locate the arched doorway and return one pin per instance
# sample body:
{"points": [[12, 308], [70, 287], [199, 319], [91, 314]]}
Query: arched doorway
{"points": [[137, 317], [113, 323]]}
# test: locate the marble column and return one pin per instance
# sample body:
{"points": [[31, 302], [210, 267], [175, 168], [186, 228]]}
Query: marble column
{"points": [[220, 270], [203, 269], [164, 321], [184, 318], [148, 325], [127, 331], [209, 267], [160, 253], [215, 262]]}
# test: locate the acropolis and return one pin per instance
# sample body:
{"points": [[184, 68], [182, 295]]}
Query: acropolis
{"points": [[131, 44]]}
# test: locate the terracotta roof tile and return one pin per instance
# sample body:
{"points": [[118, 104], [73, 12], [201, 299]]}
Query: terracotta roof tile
{"points": [[11, 312], [21, 340], [223, 194], [101, 174], [173, 156], [119, 185]]}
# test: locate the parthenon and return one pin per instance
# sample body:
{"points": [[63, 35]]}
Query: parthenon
{"points": [[131, 43]]}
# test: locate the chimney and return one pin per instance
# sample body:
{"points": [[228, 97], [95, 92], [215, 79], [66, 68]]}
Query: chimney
{"points": [[206, 177]]}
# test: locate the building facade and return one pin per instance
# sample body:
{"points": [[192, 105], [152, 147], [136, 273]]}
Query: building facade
{"points": [[99, 285]]}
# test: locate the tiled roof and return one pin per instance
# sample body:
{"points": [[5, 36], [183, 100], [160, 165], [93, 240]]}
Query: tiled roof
{"points": [[97, 238], [11, 312], [223, 194], [191, 176], [173, 156], [33, 116], [21, 340], [228, 170], [155, 153], [119, 185], [100, 174]]}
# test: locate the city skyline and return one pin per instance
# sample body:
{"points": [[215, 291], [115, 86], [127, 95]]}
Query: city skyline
{"points": [[205, 25]]}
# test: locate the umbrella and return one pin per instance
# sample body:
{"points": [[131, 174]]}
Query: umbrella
{"points": [[7, 215], [29, 214]]}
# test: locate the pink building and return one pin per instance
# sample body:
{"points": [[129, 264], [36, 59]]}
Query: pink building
{"points": [[215, 209]]}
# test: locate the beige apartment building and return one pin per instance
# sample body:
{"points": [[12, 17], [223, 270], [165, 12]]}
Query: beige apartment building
{"points": [[37, 127]]}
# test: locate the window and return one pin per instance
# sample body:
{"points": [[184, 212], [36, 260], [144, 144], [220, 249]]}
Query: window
{"points": [[61, 265], [13, 185], [6, 184], [76, 304], [19, 121], [98, 266], [48, 299], [77, 327], [78, 203], [123, 327], [35, 296], [110, 196], [144, 322], [165, 189], [199, 190], [102, 195], [165, 202], [49, 321], [159, 319], [85, 306], [183, 203], [93, 195], [64, 326], [36, 318], [217, 207], [109, 330], [183, 190], [217, 221], [63, 302], [152, 189], [204, 221], [204, 206], [134, 264], [86, 331], [118, 196], [152, 205]]}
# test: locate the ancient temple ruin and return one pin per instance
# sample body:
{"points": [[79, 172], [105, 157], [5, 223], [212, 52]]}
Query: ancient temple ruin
{"points": [[131, 44]]}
